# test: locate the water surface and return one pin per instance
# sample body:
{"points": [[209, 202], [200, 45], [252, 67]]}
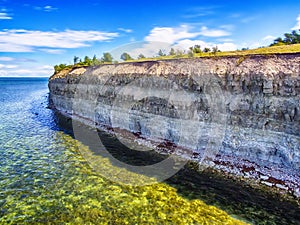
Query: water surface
{"points": [[45, 180]]}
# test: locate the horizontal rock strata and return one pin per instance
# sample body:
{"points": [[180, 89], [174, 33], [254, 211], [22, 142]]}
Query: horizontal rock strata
{"points": [[238, 114]]}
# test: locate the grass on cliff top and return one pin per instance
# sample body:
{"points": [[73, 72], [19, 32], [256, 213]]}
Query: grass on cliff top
{"points": [[295, 48], [257, 51], [265, 50]]}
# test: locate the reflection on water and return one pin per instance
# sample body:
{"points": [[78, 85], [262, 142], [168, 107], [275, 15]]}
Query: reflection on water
{"points": [[45, 179]]}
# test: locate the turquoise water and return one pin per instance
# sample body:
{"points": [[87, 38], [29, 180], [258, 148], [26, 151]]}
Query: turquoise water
{"points": [[45, 180]]}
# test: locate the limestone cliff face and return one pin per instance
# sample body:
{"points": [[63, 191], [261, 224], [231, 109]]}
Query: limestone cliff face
{"points": [[242, 113]]}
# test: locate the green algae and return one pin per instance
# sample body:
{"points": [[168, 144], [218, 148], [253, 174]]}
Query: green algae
{"points": [[78, 195], [45, 179]]}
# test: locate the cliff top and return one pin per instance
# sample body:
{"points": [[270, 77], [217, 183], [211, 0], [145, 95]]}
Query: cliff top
{"points": [[267, 64]]}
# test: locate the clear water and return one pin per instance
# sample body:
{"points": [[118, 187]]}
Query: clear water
{"points": [[45, 180]]}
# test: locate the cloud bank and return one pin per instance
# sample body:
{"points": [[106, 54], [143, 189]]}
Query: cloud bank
{"points": [[5, 16], [31, 40], [297, 26], [183, 37]]}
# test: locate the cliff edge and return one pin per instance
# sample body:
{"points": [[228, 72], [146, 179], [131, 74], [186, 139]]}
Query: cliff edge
{"points": [[237, 114]]}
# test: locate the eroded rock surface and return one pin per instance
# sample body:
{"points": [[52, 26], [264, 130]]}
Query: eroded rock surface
{"points": [[241, 113]]}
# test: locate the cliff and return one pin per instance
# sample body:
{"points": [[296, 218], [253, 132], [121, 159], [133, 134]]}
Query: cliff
{"points": [[237, 114]]}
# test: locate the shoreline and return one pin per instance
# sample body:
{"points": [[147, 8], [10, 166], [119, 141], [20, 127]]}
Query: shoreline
{"points": [[246, 173]]}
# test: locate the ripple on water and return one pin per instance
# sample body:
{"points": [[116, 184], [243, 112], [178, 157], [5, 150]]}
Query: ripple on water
{"points": [[44, 178]]}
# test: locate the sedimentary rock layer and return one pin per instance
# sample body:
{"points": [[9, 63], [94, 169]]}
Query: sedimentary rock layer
{"points": [[240, 113]]}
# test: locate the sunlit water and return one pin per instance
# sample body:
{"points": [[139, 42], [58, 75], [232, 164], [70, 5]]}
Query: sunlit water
{"points": [[44, 178]]}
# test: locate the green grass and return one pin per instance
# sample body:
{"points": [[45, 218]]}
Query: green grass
{"points": [[257, 51], [265, 50], [76, 193], [262, 51]]}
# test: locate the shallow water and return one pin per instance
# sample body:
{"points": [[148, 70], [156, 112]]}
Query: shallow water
{"points": [[45, 179]]}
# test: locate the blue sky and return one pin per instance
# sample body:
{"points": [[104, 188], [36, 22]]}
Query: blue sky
{"points": [[35, 35]]}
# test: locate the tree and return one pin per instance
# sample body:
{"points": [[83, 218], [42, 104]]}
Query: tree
{"points": [[179, 53], [95, 61], [60, 67], [296, 37], [289, 39], [172, 52], [87, 61], [277, 42], [191, 54], [196, 49], [125, 56], [161, 53], [206, 49], [141, 56], [107, 57], [215, 50], [76, 60]]}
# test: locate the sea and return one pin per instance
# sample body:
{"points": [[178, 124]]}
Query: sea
{"points": [[46, 179]]}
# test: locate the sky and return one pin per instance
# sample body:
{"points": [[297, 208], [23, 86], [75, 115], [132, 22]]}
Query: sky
{"points": [[36, 35]]}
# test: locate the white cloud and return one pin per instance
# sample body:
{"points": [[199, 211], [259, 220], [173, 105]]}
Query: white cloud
{"points": [[6, 59], [3, 73], [8, 66], [33, 71], [18, 66], [25, 60], [228, 46], [52, 51], [228, 26], [4, 16], [17, 60], [185, 44], [28, 40], [47, 67], [195, 12], [9, 47], [30, 72], [196, 15], [252, 44], [181, 37], [125, 30], [268, 37], [225, 40], [243, 18], [149, 49], [170, 34], [47, 8], [248, 19], [297, 26], [174, 34], [213, 33]]}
